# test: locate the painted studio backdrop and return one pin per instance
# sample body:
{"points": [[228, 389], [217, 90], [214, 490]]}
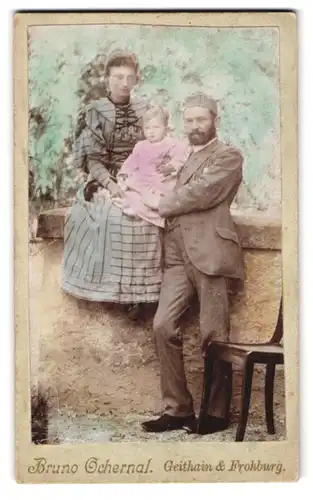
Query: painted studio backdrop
{"points": [[239, 67]]}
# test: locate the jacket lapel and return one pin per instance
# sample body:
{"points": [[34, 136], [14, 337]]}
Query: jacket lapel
{"points": [[195, 161]]}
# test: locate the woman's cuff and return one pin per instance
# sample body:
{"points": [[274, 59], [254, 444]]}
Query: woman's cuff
{"points": [[98, 172], [106, 182]]}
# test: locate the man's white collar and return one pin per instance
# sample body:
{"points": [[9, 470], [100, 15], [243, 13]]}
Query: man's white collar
{"points": [[196, 148]]}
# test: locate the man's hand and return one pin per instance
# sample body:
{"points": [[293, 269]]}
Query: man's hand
{"points": [[165, 169], [151, 199], [165, 200]]}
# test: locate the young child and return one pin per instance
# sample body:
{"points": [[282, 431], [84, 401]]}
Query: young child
{"points": [[151, 170]]}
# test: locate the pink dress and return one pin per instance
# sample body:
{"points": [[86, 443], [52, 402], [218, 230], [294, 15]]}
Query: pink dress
{"points": [[142, 184]]}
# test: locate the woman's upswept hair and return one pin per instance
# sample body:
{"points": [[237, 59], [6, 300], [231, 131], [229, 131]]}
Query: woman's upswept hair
{"points": [[120, 58], [154, 111]]}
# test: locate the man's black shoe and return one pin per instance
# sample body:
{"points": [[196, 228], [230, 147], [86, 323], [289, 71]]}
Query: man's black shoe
{"points": [[210, 425], [190, 424], [168, 423]]}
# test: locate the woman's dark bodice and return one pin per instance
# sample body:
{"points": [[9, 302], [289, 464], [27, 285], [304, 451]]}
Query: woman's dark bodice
{"points": [[108, 133], [126, 133]]}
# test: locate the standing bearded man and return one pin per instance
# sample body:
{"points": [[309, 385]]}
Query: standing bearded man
{"points": [[201, 251]]}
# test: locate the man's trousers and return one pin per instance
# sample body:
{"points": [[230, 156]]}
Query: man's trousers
{"points": [[181, 281]]}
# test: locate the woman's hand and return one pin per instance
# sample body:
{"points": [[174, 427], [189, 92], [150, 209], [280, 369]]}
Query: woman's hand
{"points": [[114, 189], [123, 186], [101, 193], [122, 181]]}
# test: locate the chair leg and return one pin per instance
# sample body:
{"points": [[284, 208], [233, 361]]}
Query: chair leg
{"points": [[269, 397], [245, 400], [229, 386], [206, 391]]}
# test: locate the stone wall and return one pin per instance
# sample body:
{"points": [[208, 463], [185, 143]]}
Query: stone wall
{"points": [[90, 357]]}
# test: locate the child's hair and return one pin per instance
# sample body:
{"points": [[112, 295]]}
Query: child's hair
{"points": [[154, 111]]}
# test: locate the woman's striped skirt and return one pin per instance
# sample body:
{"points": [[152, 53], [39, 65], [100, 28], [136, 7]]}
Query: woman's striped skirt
{"points": [[109, 256]]}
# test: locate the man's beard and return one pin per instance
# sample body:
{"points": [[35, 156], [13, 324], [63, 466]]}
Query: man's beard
{"points": [[198, 138]]}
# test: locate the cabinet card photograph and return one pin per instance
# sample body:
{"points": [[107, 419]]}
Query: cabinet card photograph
{"points": [[156, 247]]}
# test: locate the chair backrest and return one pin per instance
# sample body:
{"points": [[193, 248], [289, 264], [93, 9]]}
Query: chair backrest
{"points": [[279, 329]]}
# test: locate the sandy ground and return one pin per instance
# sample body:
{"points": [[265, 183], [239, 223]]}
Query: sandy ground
{"points": [[69, 427]]}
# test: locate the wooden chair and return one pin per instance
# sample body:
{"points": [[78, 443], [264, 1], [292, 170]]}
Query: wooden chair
{"points": [[244, 356]]}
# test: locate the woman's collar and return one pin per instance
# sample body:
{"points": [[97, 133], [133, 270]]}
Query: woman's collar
{"points": [[125, 103]]}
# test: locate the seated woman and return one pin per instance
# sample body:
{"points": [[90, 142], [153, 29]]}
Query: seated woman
{"points": [[151, 169], [110, 256]]}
